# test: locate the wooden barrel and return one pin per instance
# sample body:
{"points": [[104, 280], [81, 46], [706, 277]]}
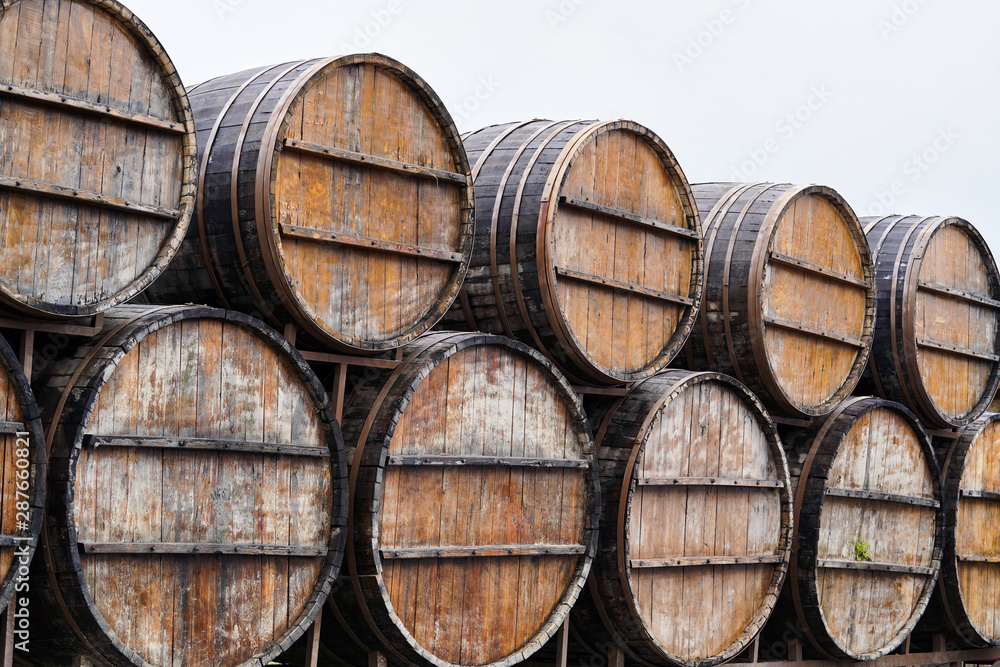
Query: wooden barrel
{"points": [[789, 304], [474, 506], [969, 588], [333, 194], [97, 157], [868, 529], [198, 506], [22, 476], [696, 526], [588, 246], [936, 346]]}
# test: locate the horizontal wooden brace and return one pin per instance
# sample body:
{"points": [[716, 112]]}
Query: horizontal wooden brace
{"points": [[711, 481], [330, 358], [978, 493], [621, 286], [829, 563], [210, 444], [820, 270], [13, 540], [984, 656], [85, 106], [507, 461], [813, 331], [968, 558], [865, 494], [11, 427], [200, 548], [87, 198], [957, 349], [627, 216], [485, 551], [958, 293], [701, 561], [369, 243], [386, 164]]}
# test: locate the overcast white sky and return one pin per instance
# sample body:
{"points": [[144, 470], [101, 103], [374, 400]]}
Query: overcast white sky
{"points": [[894, 103]]}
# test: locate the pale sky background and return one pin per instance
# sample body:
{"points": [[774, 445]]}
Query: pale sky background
{"points": [[865, 96]]}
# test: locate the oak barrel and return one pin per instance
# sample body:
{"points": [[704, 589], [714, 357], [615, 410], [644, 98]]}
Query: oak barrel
{"points": [[334, 194], [22, 476], [969, 588], [868, 529], [789, 303], [696, 525], [936, 346], [475, 497], [97, 157], [199, 496], [588, 246]]}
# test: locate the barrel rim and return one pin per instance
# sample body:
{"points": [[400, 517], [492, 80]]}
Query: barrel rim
{"points": [[923, 400], [94, 376], [628, 483], [188, 180], [950, 583], [809, 500], [392, 400], [267, 219], [759, 261], [545, 251]]}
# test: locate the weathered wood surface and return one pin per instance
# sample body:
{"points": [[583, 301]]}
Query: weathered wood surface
{"points": [[22, 487], [465, 562], [187, 556], [97, 157], [936, 346], [335, 194], [588, 246], [968, 594], [864, 567], [789, 301], [687, 572]]}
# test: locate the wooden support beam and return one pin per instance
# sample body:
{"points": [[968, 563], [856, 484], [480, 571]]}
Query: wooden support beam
{"points": [[619, 286], [485, 550], [958, 293], [867, 566], [198, 548], [616, 656], [957, 349], [313, 640], [627, 216], [711, 481], [809, 267], [368, 243], [328, 358], [506, 461], [25, 186], [813, 331], [31, 326], [9, 639], [405, 168], [865, 494], [937, 657], [210, 444], [377, 659], [562, 643], [701, 561], [84, 106]]}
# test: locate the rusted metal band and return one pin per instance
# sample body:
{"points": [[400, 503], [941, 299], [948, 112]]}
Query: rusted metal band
{"points": [[895, 287]]}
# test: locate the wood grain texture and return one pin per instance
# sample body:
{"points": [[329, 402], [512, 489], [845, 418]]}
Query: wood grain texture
{"points": [[936, 345], [241, 545], [466, 562], [588, 246], [867, 444], [97, 157], [789, 301], [651, 591], [335, 195]]}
